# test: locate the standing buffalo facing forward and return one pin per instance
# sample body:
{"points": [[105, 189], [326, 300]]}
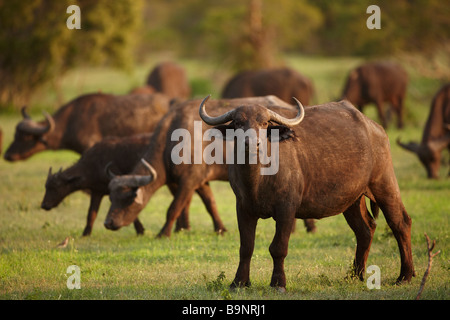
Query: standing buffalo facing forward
{"points": [[86, 120], [378, 82], [436, 134], [284, 83], [329, 159]]}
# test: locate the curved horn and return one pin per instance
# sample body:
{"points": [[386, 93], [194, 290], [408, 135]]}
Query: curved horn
{"points": [[24, 112], [108, 171], [50, 122], [136, 181], [275, 117], [412, 146], [144, 180], [35, 128], [212, 121]]}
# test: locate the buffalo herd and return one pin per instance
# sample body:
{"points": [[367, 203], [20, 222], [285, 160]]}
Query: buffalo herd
{"points": [[327, 158]]}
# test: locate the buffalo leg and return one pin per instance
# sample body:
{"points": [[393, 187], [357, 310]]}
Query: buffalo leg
{"points": [[381, 115], [183, 220], [310, 225], [182, 199], [96, 199], [247, 228], [278, 250], [387, 196], [363, 225], [399, 110], [207, 197], [138, 227]]}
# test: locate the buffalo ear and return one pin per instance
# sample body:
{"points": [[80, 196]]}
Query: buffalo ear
{"points": [[283, 133]]}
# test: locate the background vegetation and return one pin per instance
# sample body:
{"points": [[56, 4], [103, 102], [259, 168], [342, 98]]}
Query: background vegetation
{"points": [[37, 48], [44, 64]]}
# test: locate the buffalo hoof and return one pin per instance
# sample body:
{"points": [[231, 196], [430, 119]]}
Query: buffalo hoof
{"points": [[280, 289], [221, 231], [87, 232]]}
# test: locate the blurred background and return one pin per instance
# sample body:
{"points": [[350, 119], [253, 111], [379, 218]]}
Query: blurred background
{"points": [[44, 64]]}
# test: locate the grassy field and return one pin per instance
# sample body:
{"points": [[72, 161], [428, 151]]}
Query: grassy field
{"points": [[198, 264]]}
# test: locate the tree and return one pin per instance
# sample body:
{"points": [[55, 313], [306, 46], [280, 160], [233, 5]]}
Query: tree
{"points": [[247, 34], [36, 46]]}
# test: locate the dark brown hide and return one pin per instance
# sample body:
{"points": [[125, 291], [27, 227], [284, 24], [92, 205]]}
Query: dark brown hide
{"points": [[183, 179], [84, 121], [284, 83], [88, 174], [378, 82], [333, 159], [170, 79]]}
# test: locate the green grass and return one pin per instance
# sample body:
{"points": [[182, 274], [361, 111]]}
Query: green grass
{"points": [[199, 264]]}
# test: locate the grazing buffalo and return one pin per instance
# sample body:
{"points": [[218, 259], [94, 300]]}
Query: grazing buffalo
{"points": [[170, 79], [84, 121], [94, 171], [378, 82], [284, 83], [182, 178], [436, 134], [329, 159], [89, 174]]}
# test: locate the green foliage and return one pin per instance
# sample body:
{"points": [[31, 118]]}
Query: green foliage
{"points": [[220, 29], [37, 46], [218, 284]]}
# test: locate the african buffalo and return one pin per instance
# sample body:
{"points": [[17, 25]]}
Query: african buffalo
{"points": [[378, 82], [94, 171], [170, 79], [85, 120], [329, 158], [89, 174], [182, 178], [436, 134], [284, 83]]}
